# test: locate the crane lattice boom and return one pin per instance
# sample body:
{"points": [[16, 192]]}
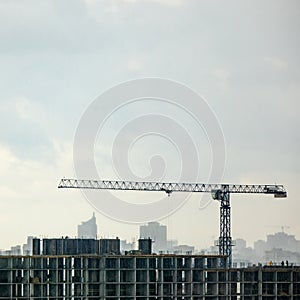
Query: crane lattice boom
{"points": [[276, 190], [220, 192]]}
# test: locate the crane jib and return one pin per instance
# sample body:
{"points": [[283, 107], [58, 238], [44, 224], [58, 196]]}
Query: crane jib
{"points": [[220, 192], [277, 190]]}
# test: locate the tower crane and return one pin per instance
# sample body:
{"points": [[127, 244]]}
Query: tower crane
{"points": [[220, 192]]}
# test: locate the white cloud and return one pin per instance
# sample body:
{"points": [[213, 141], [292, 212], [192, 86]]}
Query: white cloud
{"points": [[135, 64], [161, 2], [222, 76], [7, 159], [221, 73], [174, 3], [24, 108], [170, 2], [29, 196], [69, 57], [32, 177], [276, 63]]}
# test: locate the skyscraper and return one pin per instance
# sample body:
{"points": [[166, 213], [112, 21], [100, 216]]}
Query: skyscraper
{"points": [[157, 232], [88, 229]]}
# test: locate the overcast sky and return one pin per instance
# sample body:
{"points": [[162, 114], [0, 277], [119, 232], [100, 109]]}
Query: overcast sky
{"points": [[57, 56]]}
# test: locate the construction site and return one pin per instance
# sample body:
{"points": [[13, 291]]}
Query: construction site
{"points": [[82, 269], [175, 123]]}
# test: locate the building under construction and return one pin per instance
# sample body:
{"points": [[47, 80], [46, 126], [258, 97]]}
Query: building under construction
{"points": [[103, 274]]}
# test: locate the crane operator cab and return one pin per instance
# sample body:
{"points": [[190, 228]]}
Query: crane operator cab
{"points": [[216, 194]]}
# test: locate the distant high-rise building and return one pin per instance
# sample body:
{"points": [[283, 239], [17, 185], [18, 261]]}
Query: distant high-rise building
{"points": [[184, 249], [240, 244], [27, 248], [126, 246], [88, 229], [16, 250], [260, 247], [158, 234], [283, 241]]}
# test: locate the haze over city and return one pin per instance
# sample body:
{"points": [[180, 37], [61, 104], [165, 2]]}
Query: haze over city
{"points": [[58, 56]]}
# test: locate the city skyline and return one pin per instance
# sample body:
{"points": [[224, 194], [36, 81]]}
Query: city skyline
{"points": [[276, 247]]}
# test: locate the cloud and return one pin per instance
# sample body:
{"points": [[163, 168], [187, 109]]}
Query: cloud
{"points": [[30, 195], [32, 177], [25, 109], [276, 63], [222, 76], [135, 64], [174, 3], [29, 135], [247, 70], [7, 159]]}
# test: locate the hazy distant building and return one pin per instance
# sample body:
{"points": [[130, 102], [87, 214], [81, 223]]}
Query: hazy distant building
{"points": [[212, 250], [27, 248], [240, 244], [278, 247], [242, 255], [88, 229], [260, 247], [126, 246], [184, 249], [158, 234], [278, 255], [16, 250], [283, 241], [171, 244]]}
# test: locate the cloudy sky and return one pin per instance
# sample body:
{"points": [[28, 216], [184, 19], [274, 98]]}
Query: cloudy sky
{"points": [[58, 56]]}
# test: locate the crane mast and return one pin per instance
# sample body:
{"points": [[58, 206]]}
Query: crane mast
{"points": [[220, 192]]}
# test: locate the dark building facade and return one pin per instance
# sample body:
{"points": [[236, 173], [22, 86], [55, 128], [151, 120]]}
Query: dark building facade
{"points": [[83, 277], [69, 246], [83, 269], [145, 246]]}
